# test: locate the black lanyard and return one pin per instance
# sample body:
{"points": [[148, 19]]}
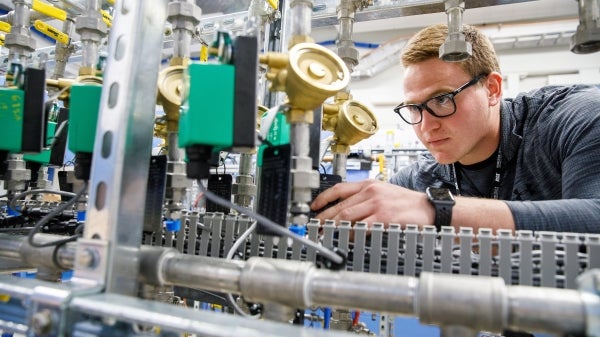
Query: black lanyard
{"points": [[497, 176]]}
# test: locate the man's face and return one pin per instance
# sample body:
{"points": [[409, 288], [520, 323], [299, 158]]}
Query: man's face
{"points": [[468, 136]]}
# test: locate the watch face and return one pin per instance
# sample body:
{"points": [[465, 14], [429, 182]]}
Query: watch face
{"points": [[440, 194]]}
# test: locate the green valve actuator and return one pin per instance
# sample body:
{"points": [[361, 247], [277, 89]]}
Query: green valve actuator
{"points": [[219, 107], [22, 115], [83, 120]]}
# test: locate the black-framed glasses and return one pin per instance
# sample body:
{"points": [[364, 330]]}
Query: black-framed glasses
{"points": [[442, 105]]}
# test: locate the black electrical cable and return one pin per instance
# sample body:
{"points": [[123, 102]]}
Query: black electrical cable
{"points": [[51, 215], [327, 253], [13, 202]]}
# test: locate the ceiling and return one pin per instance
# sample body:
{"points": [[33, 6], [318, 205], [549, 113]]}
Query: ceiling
{"points": [[510, 23]]}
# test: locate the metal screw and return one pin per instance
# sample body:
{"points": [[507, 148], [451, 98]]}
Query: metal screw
{"points": [[87, 258]]}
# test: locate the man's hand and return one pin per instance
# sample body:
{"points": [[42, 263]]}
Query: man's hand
{"points": [[374, 201]]}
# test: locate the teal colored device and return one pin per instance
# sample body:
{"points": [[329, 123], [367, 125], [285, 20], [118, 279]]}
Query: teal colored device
{"points": [[207, 111], [11, 119], [83, 117], [44, 156], [279, 134], [206, 120]]}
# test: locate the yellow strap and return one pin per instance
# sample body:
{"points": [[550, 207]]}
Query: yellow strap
{"points": [[112, 2], [203, 52], [106, 18], [5, 26], [51, 32], [4, 298], [273, 3], [49, 10]]}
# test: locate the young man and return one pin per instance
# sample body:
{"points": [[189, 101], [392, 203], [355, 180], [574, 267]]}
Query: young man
{"points": [[532, 162]]}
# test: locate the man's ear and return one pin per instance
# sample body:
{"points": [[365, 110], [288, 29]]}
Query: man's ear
{"points": [[494, 85]]}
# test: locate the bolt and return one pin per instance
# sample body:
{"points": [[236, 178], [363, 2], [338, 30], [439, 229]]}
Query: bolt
{"points": [[87, 258]]}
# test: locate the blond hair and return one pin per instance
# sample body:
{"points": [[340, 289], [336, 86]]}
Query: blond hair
{"points": [[426, 43]]}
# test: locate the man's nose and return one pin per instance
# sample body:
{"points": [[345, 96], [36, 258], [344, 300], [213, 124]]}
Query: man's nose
{"points": [[429, 121]]}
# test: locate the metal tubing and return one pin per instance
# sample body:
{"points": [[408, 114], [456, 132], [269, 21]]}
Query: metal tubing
{"points": [[300, 134], [21, 17], [200, 272], [455, 19], [182, 39], [345, 44], [351, 290], [557, 311], [174, 153], [62, 52], [300, 17], [90, 39], [17, 248], [457, 299], [340, 161], [477, 303]]}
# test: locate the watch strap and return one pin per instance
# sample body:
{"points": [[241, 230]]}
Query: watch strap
{"points": [[443, 215]]}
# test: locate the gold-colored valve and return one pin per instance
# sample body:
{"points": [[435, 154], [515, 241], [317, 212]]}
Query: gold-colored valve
{"points": [[351, 122], [309, 74], [64, 85], [170, 82]]}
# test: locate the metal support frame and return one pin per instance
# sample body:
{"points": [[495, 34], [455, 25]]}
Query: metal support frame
{"points": [[112, 236]]}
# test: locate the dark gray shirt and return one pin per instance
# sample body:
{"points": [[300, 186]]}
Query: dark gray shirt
{"points": [[550, 145]]}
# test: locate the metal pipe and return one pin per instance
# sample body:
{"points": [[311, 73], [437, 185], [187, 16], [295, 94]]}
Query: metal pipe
{"points": [[161, 266], [91, 28], [340, 161], [300, 17], [451, 301], [587, 37], [21, 18], [182, 39], [455, 48], [551, 310], [345, 44], [33, 15], [174, 153], [443, 301], [17, 248], [350, 290], [19, 41], [301, 171], [62, 52], [184, 15]]}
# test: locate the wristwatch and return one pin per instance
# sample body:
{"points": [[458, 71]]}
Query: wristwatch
{"points": [[443, 201]]}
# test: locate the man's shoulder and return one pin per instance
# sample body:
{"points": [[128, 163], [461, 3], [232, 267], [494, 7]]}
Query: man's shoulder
{"points": [[553, 108]]}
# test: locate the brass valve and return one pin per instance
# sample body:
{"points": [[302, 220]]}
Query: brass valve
{"points": [[309, 74], [170, 82], [350, 120], [64, 85]]}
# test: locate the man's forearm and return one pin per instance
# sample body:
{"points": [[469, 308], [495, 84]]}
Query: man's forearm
{"points": [[482, 213]]}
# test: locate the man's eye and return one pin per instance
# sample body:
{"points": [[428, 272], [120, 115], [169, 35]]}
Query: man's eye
{"points": [[440, 100]]}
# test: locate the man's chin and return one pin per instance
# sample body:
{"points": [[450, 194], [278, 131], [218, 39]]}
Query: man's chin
{"points": [[443, 159]]}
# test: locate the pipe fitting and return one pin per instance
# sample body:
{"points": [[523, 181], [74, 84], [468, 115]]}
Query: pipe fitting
{"points": [[441, 300], [277, 281], [455, 48], [183, 15]]}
